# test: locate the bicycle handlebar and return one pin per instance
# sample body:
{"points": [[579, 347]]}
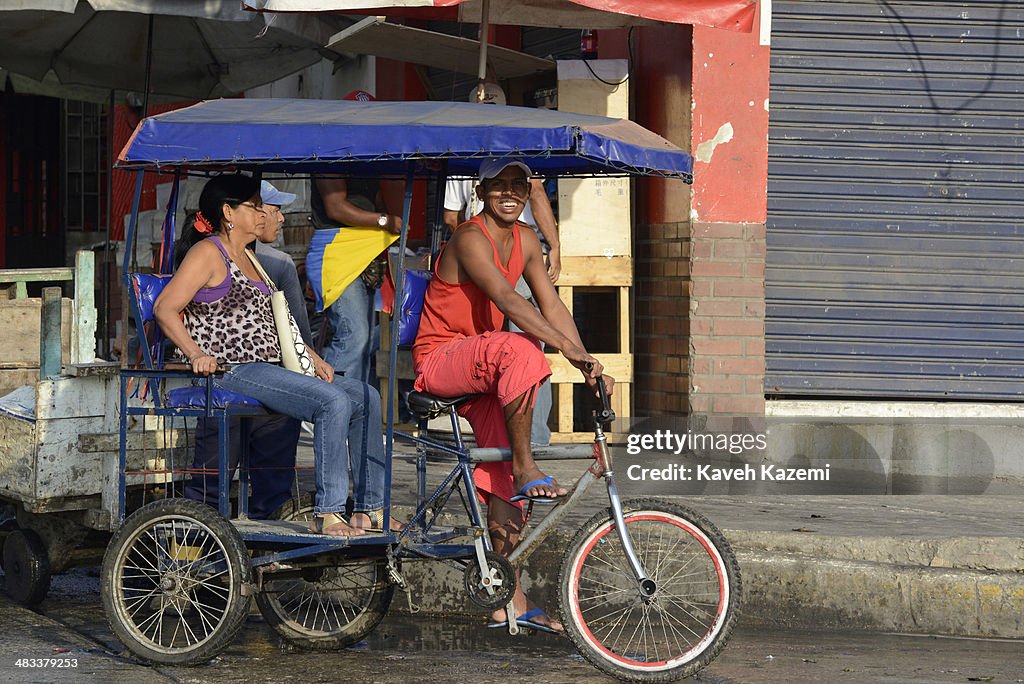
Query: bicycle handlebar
{"points": [[605, 415]]}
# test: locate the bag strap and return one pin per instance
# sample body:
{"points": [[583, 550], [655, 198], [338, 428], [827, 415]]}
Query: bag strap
{"points": [[259, 269]]}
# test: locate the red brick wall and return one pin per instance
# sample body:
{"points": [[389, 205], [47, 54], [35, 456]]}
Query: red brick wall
{"points": [[662, 323], [726, 305], [662, 232]]}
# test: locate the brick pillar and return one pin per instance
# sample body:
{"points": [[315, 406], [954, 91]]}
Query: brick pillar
{"points": [[660, 356], [726, 306], [662, 325], [729, 208], [700, 252]]}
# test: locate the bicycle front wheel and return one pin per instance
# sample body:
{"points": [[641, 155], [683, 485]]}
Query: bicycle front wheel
{"points": [[687, 622]]}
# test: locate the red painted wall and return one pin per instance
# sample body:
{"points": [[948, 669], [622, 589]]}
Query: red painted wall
{"points": [[660, 90], [125, 120], [730, 100]]}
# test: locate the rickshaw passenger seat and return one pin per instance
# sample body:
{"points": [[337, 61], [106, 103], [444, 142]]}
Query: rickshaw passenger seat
{"points": [[146, 287], [427, 406]]}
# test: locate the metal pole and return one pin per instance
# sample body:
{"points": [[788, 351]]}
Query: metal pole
{"points": [[105, 306], [396, 315], [149, 67], [485, 29]]}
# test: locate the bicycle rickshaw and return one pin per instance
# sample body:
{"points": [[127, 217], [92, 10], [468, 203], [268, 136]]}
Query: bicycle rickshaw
{"points": [[649, 589]]}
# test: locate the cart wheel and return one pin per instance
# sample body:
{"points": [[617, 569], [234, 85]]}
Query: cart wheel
{"points": [[500, 586], [26, 567], [688, 620], [324, 604], [173, 582]]}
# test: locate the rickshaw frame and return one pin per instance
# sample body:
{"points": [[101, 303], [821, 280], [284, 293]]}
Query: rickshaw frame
{"points": [[422, 140]]}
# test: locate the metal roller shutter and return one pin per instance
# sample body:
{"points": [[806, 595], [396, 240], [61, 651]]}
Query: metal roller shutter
{"points": [[895, 209]]}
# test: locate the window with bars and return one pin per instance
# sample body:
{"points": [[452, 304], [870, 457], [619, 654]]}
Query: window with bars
{"points": [[84, 157]]}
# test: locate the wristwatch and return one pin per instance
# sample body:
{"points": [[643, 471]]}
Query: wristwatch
{"points": [[382, 220]]}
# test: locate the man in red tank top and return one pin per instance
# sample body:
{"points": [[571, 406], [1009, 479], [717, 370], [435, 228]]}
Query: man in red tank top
{"points": [[461, 348]]}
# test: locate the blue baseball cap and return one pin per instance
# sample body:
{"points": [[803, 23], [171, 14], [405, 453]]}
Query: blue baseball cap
{"points": [[271, 195]]}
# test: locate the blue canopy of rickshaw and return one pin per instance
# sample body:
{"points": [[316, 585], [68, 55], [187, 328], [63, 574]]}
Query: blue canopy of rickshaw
{"points": [[321, 136]]}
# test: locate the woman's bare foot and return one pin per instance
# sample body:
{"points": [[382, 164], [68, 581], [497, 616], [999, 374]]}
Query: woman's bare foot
{"points": [[364, 521], [333, 525]]}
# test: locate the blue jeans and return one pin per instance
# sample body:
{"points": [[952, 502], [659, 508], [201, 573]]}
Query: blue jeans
{"points": [[346, 420], [540, 433], [352, 345], [272, 442]]}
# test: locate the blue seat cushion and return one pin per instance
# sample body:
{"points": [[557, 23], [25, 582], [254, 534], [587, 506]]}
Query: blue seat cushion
{"points": [[195, 397], [148, 287]]}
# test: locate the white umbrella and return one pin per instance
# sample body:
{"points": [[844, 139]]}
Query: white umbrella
{"points": [[188, 49]]}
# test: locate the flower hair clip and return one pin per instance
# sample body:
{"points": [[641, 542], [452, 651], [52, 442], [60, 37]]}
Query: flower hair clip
{"points": [[202, 224]]}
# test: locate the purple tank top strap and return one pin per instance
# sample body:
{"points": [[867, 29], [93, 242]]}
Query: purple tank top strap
{"points": [[223, 252], [212, 294]]}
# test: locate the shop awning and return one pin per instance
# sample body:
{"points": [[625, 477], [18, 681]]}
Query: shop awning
{"points": [[735, 15]]}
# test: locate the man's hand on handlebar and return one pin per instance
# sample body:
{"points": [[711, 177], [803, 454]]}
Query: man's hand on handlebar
{"points": [[587, 364], [593, 370], [609, 384]]}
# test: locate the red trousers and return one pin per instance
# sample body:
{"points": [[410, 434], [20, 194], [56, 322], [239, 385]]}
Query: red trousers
{"points": [[500, 366]]}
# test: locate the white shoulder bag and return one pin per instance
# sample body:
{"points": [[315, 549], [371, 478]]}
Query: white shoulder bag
{"points": [[294, 354]]}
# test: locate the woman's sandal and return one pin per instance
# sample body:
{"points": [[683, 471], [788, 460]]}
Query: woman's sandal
{"points": [[323, 522]]}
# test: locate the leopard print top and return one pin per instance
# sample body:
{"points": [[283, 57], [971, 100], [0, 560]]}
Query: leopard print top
{"points": [[238, 327]]}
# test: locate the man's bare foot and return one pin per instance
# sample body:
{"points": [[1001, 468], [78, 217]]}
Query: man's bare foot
{"points": [[373, 520], [541, 485], [333, 525]]}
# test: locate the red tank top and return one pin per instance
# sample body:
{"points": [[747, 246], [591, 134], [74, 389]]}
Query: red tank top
{"points": [[453, 310]]}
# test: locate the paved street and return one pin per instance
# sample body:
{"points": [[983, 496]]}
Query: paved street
{"points": [[404, 649]]}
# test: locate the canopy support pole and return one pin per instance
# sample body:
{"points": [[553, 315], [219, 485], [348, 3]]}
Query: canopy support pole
{"points": [[396, 315]]}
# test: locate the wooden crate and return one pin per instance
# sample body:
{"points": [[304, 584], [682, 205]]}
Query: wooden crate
{"points": [[582, 276], [596, 238]]}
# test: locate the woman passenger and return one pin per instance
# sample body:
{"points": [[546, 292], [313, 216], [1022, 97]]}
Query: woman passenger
{"points": [[228, 321]]}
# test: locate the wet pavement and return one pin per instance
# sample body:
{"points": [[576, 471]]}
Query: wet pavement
{"points": [[404, 648]]}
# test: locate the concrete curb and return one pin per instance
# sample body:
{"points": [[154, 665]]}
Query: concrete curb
{"points": [[957, 587], [792, 590]]}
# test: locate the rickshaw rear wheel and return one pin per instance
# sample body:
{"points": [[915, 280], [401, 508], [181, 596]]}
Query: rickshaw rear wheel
{"points": [[175, 582], [325, 607], [26, 567]]}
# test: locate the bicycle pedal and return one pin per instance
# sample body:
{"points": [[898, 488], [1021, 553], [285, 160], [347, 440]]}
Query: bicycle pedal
{"points": [[396, 578]]}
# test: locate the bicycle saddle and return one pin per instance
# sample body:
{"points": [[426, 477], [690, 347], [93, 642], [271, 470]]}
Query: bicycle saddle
{"points": [[428, 406]]}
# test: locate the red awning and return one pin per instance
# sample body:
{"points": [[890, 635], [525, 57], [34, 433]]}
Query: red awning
{"points": [[735, 15]]}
